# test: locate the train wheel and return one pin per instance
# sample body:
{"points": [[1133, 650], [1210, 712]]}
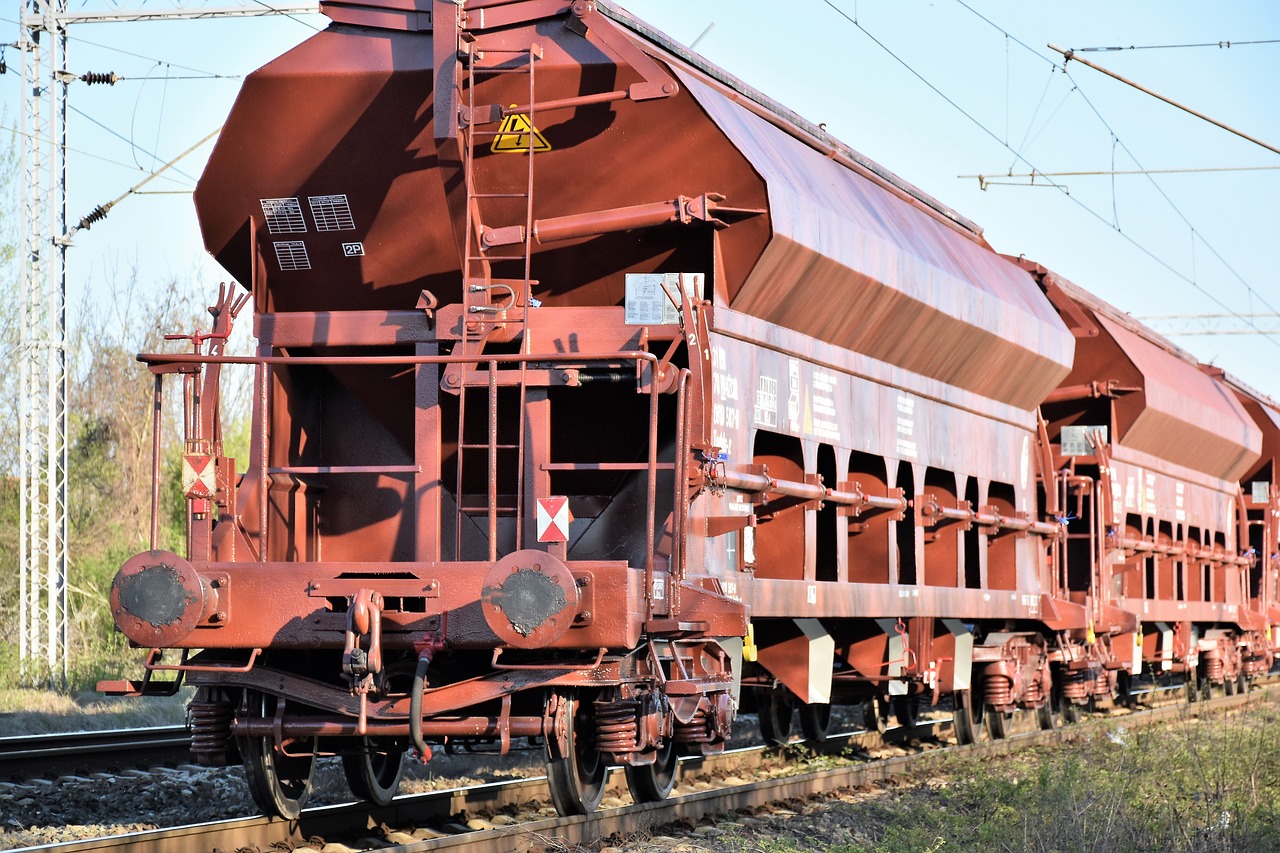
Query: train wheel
{"points": [[1191, 687], [1242, 683], [775, 706], [652, 783], [373, 773], [815, 720], [1124, 695], [904, 711], [279, 783], [1071, 713], [1049, 715], [874, 715], [967, 720], [1229, 686], [997, 722], [1052, 713], [576, 778]]}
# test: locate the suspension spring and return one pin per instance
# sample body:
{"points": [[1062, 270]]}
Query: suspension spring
{"points": [[210, 730], [1213, 669], [1075, 686], [1257, 664], [998, 691], [697, 730], [617, 726], [1033, 694], [1102, 685]]}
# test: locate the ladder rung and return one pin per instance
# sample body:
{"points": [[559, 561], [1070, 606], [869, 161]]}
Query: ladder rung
{"points": [[509, 51], [606, 466], [499, 195], [486, 447]]}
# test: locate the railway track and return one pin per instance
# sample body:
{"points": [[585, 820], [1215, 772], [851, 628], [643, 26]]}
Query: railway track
{"points": [[42, 756], [347, 824]]}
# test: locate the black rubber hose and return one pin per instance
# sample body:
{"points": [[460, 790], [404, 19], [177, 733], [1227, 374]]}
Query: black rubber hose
{"points": [[415, 704]]}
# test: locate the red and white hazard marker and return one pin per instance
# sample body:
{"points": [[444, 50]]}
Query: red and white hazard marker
{"points": [[553, 519], [199, 476]]}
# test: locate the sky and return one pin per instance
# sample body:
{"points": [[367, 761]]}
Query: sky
{"points": [[934, 90]]}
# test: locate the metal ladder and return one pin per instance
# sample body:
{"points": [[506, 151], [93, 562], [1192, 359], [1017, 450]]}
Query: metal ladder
{"points": [[481, 385]]}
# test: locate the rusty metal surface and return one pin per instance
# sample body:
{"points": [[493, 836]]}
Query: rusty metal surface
{"points": [[1165, 406], [363, 95], [1182, 415], [813, 133], [418, 809], [851, 264], [287, 605], [825, 419], [1267, 417], [871, 601], [895, 265], [445, 805]]}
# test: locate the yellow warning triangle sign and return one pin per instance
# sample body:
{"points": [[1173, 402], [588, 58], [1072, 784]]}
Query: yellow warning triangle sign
{"points": [[513, 136]]}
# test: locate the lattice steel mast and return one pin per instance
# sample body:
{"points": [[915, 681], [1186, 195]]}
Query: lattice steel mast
{"points": [[42, 348], [42, 352]]}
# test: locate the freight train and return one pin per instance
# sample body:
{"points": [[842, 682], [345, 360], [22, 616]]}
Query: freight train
{"points": [[599, 397]]}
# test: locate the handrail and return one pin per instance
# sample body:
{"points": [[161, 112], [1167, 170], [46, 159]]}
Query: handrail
{"points": [[932, 512], [681, 486], [162, 359], [157, 362]]}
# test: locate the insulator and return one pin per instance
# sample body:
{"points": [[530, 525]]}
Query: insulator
{"points": [[110, 78], [1075, 686], [998, 691], [617, 726], [98, 214], [211, 731]]}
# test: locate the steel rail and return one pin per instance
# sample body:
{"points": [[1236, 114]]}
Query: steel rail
{"points": [[332, 822], [34, 756], [416, 809]]}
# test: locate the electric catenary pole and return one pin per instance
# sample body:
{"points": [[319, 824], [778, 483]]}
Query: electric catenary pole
{"points": [[42, 352], [42, 548]]}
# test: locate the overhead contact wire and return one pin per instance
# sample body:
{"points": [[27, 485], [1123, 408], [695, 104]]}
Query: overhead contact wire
{"points": [[1253, 292], [124, 139], [1149, 253], [1217, 44], [68, 149]]}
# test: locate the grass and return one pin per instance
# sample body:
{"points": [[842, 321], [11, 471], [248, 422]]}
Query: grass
{"points": [[39, 711], [1191, 786], [26, 711]]}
